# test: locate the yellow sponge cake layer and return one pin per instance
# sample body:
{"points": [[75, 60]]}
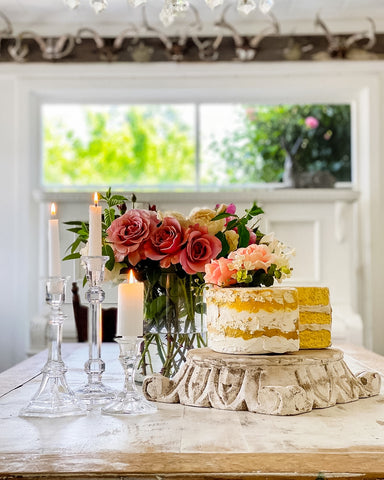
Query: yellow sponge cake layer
{"points": [[315, 317], [313, 295]]}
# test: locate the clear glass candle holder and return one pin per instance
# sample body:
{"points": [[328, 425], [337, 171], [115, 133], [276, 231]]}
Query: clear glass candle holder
{"points": [[54, 398], [94, 393], [130, 401]]}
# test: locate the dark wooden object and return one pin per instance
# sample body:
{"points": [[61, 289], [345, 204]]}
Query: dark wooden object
{"points": [[109, 316]]}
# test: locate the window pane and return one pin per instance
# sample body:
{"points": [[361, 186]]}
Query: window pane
{"points": [[146, 146], [248, 144], [156, 147]]}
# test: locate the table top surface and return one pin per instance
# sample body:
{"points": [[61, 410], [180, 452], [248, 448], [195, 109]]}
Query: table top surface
{"points": [[182, 442]]}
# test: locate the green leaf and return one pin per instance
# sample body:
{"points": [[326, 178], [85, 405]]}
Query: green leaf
{"points": [[223, 215], [109, 216], [75, 244], [108, 251], [244, 236], [74, 230], [225, 245], [72, 256], [232, 224]]}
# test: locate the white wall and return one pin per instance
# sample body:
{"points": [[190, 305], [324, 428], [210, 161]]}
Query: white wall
{"points": [[24, 86]]}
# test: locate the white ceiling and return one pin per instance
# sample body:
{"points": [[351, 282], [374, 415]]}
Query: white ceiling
{"points": [[52, 17]]}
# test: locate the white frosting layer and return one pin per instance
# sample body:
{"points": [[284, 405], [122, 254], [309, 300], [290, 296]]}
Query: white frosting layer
{"points": [[315, 326], [222, 317], [315, 308], [221, 343]]}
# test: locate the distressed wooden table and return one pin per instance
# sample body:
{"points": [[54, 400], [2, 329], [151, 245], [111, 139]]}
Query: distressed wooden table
{"points": [[178, 442]]}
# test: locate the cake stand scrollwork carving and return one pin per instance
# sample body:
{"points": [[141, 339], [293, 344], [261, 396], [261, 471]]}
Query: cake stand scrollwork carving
{"points": [[287, 384]]}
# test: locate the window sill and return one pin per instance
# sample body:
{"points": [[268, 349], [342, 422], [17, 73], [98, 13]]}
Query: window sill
{"points": [[270, 195]]}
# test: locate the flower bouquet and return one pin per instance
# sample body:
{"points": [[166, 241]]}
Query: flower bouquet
{"points": [[169, 252]]}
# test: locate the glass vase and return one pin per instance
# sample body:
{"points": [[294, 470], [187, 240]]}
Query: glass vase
{"points": [[174, 322]]}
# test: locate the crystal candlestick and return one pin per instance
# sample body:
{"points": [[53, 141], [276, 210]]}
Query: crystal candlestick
{"points": [[94, 392], [130, 401], [54, 398]]}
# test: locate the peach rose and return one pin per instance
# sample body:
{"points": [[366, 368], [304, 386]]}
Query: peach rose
{"points": [[219, 272], [253, 257]]}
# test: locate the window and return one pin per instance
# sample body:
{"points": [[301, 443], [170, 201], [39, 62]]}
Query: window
{"points": [[187, 146]]}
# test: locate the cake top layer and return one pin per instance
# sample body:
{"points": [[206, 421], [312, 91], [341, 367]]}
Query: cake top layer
{"points": [[252, 294], [313, 295]]}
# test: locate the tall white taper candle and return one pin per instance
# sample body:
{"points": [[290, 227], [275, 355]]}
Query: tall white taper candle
{"points": [[130, 308], [94, 240], [54, 266]]}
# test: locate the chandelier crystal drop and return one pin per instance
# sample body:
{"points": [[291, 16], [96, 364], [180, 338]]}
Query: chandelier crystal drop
{"points": [[177, 6], [246, 6], [167, 17], [265, 6], [72, 4], [98, 5], [136, 3], [213, 3]]}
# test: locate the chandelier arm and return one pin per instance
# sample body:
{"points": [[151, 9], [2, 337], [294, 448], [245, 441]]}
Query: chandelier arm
{"points": [[222, 23], [369, 35], [160, 35], [269, 30], [119, 40]]}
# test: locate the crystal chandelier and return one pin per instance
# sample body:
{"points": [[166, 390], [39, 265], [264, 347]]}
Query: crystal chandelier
{"points": [[173, 8]]}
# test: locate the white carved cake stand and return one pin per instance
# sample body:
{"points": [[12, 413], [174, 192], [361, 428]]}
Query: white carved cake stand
{"points": [[273, 384]]}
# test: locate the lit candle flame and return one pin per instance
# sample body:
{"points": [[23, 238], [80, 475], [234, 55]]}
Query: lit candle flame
{"points": [[53, 209], [131, 277], [96, 199]]}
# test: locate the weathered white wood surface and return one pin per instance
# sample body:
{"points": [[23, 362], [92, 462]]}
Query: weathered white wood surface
{"points": [[287, 384], [182, 442]]}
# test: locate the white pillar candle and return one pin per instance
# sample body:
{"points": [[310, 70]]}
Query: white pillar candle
{"points": [[95, 235], [130, 308], [54, 266]]}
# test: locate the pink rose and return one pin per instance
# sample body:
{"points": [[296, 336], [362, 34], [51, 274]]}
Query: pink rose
{"points": [[201, 248], [311, 123], [218, 272], [252, 236], [253, 257], [165, 242], [128, 233]]}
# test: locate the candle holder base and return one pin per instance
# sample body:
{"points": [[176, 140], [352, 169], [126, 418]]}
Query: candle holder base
{"points": [[129, 404], [130, 401], [53, 399], [95, 394]]}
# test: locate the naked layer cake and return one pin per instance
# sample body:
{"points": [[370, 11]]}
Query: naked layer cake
{"points": [[315, 319], [253, 320]]}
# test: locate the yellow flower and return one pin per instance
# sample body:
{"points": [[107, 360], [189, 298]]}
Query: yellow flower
{"points": [[232, 238], [179, 217], [203, 217]]}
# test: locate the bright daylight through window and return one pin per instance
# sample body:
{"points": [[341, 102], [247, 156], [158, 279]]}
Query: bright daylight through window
{"points": [[186, 147]]}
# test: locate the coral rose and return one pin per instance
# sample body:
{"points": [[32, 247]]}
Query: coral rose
{"points": [[219, 273], [253, 257], [128, 233], [165, 243], [200, 249], [203, 217]]}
